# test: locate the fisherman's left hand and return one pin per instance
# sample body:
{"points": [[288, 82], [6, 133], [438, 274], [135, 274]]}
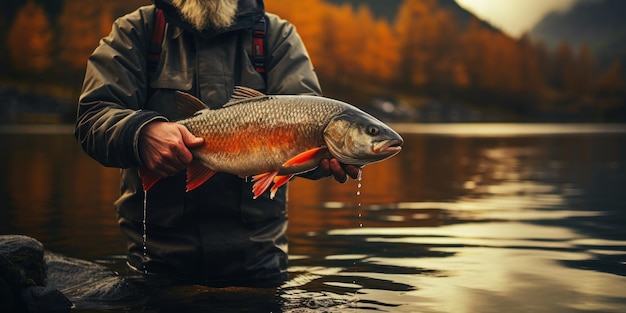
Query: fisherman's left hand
{"points": [[338, 170]]}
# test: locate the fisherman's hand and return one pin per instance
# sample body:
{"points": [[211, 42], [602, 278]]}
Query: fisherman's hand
{"points": [[338, 170], [164, 147]]}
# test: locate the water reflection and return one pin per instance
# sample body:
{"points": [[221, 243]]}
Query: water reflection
{"points": [[480, 218], [54, 193], [491, 222]]}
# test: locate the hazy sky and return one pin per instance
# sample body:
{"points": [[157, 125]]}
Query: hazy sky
{"points": [[514, 16]]}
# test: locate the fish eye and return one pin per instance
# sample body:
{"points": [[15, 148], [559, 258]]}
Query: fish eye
{"points": [[372, 130]]}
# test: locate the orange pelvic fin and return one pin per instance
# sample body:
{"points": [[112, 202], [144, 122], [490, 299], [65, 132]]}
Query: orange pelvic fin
{"points": [[148, 178], [262, 182], [305, 156], [278, 182], [197, 174]]}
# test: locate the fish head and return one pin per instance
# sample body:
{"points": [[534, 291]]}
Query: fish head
{"points": [[357, 138]]}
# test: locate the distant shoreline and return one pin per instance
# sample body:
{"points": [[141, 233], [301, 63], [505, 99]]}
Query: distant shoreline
{"points": [[508, 129], [36, 129], [485, 129]]}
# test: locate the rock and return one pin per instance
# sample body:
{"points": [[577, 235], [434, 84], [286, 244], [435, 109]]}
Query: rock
{"points": [[45, 299], [8, 300], [88, 283], [65, 272], [23, 277], [25, 256], [34, 280]]}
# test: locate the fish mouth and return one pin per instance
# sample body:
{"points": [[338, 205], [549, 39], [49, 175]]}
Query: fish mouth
{"points": [[391, 146]]}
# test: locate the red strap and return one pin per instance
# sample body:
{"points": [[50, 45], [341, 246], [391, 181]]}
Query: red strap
{"points": [[258, 52], [257, 44], [154, 50]]}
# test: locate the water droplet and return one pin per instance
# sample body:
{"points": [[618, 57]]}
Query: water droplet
{"points": [[360, 216], [145, 231], [358, 194]]}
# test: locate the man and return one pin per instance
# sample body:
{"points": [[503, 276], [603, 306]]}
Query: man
{"points": [[217, 234]]}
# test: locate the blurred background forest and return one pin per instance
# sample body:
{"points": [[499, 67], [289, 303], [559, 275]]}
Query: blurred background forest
{"points": [[404, 60]]}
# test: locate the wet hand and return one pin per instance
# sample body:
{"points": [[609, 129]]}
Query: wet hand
{"points": [[339, 171], [164, 147]]}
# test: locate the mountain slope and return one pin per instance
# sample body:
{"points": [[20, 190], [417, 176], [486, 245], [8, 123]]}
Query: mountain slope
{"points": [[388, 9], [600, 24]]}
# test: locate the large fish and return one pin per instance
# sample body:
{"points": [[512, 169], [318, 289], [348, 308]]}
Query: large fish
{"points": [[273, 138]]}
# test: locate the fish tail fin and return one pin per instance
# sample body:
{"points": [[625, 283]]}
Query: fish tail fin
{"points": [[197, 174], [262, 182], [148, 178]]}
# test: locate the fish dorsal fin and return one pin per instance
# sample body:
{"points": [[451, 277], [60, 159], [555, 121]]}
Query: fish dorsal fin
{"points": [[187, 105], [242, 94]]}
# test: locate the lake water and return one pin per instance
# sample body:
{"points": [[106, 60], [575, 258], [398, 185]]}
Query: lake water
{"points": [[467, 218]]}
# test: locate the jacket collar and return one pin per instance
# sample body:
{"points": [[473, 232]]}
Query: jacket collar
{"points": [[248, 12]]}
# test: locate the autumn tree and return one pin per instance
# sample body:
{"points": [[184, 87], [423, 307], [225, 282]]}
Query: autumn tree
{"points": [[81, 25], [508, 69], [335, 42], [308, 18], [563, 75], [321, 55], [478, 56], [347, 46], [30, 39], [361, 46], [383, 52], [584, 71], [610, 89], [532, 60], [416, 35]]}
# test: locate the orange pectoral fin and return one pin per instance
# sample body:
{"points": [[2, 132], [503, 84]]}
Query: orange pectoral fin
{"points": [[278, 182], [148, 178], [305, 156], [262, 182], [197, 174]]}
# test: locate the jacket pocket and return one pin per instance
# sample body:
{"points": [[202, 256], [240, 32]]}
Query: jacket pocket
{"points": [[171, 78]]}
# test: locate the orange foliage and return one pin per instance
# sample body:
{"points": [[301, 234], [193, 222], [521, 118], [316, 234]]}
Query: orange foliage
{"points": [[424, 50], [30, 39], [610, 85], [82, 24], [428, 49], [35, 43]]}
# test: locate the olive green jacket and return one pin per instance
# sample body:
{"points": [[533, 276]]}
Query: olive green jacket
{"points": [[216, 234]]}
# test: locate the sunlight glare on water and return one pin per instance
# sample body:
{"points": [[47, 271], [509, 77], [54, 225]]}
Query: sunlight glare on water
{"points": [[507, 130]]}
